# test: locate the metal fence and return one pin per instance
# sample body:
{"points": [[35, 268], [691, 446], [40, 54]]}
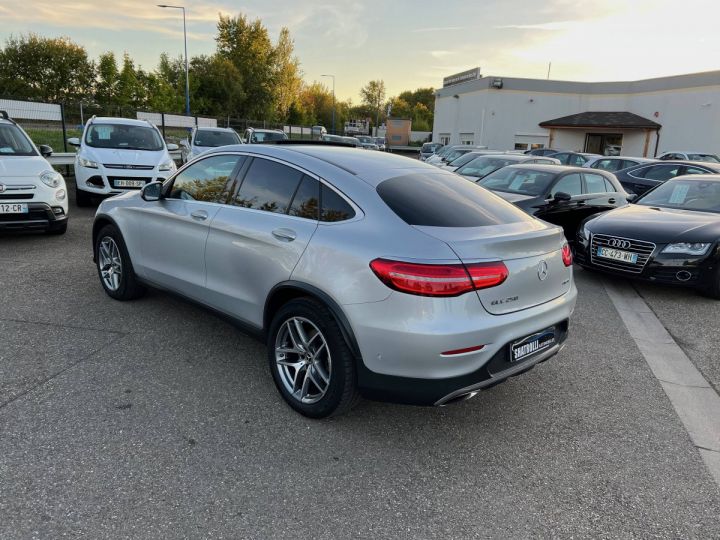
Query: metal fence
{"points": [[53, 123]]}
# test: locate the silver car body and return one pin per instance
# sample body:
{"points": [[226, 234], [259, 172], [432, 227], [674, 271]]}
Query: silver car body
{"points": [[234, 257]]}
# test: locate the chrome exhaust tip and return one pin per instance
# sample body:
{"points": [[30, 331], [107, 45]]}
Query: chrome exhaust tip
{"points": [[458, 399]]}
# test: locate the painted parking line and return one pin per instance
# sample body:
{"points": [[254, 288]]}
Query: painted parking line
{"points": [[693, 398]]}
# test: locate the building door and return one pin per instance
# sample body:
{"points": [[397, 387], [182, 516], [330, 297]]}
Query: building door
{"points": [[605, 144]]}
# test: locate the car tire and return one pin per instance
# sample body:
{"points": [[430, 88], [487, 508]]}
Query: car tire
{"points": [[114, 266], [713, 290], [329, 380], [82, 198], [58, 230]]}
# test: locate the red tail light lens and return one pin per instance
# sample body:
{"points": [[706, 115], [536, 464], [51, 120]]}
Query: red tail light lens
{"points": [[567, 255], [438, 279]]}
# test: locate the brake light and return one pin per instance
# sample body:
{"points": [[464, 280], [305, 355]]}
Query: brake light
{"points": [[438, 279], [567, 255]]}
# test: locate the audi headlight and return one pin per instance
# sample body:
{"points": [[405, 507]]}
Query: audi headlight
{"points": [[694, 248], [88, 164], [585, 232], [51, 178], [168, 165]]}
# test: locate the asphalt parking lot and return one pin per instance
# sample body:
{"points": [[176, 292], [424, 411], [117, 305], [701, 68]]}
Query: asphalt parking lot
{"points": [[156, 419]]}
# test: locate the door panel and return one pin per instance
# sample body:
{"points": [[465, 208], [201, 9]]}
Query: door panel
{"points": [[248, 253]]}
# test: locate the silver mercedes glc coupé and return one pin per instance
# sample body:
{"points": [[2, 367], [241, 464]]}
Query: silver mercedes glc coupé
{"points": [[366, 273]]}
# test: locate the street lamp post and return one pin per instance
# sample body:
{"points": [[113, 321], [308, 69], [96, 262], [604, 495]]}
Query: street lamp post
{"points": [[333, 109], [187, 71]]}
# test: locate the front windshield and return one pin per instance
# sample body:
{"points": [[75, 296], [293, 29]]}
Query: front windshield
{"points": [[711, 158], [685, 194], [480, 167], [522, 181], [124, 137], [13, 142], [368, 140], [265, 136], [213, 139]]}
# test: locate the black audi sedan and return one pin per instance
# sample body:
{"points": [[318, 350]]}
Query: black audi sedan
{"points": [[561, 195], [645, 176], [669, 235]]}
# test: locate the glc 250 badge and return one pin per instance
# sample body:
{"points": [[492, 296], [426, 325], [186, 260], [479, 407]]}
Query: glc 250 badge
{"points": [[504, 301]]}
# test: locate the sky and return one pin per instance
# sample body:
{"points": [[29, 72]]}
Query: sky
{"points": [[408, 43]]}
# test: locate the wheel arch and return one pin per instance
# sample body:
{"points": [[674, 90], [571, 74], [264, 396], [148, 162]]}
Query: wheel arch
{"points": [[100, 222], [289, 290]]}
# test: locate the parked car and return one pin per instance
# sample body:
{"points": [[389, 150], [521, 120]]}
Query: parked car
{"points": [[641, 178], [33, 196], [542, 151], [380, 141], [262, 136], [204, 138], [365, 272], [453, 154], [352, 140], [318, 132], [334, 138], [689, 156], [438, 156], [480, 166], [428, 149], [116, 155], [467, 158], [615, 163], [669, 235], [367, 142], [574, 159], [558, 194]]}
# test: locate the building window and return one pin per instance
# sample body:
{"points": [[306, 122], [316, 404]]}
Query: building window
{"points": [[467, 138], [605, 144], [521, 146], [444, 139]]}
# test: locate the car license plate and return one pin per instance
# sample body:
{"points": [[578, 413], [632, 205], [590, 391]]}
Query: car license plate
{"points": [[129, 183], [13, 208], [617, 255], [532, 345]]}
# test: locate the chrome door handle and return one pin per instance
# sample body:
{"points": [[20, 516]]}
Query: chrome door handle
{"points": [[288, 235], [611, 201], [200, 215]]}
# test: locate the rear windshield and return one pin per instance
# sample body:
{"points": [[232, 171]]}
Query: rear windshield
{"points": [[712, 158], [443, 200], [522, 181]]}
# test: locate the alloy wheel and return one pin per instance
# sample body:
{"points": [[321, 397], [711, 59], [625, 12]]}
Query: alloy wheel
{"points": [[110, 263], [303, 360]]}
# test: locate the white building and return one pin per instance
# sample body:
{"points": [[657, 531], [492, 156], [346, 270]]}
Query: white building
{"points": [[638, 118]]}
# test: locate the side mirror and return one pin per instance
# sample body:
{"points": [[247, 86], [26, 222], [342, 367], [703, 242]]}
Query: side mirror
{"points": [[152, 191], [561, 196], [45, 150], [172, 147], [631, 197], [74, 141]]}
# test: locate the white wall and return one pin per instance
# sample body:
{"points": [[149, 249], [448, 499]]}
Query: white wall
{"points": [[689, 117]]}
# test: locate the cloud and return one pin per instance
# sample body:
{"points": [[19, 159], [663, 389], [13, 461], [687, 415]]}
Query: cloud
{"points": [[437, 29], [552, 25]]}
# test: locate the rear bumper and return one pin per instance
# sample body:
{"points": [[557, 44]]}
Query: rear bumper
{"points": [[40, 217], [438, 392]]}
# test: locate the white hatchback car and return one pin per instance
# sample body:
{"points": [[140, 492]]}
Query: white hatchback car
{"points": [[117, 155], [32, 195]]}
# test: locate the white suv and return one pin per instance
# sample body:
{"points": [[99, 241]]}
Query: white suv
{"points": [[117, 155], [205, 138], [32, 195]]}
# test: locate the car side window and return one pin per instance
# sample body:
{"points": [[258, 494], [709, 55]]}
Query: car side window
{"points": [[268, 186], [205, 180], [333, 206], [627, 163], [306, 202], [597, 183], [695, 170], [604, 164], [570, 184], [661, 172], [563, 157], [576, 160]]}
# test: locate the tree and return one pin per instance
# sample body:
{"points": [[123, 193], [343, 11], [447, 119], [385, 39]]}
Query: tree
{"points": [[130, 90], [107, 80], [373, 95], [287, 76], [47, 69], [217, 86], [246, 44]]}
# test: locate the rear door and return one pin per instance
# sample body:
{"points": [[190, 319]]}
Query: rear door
{"points": [[564, 213], [173, 231], [257, 238]]}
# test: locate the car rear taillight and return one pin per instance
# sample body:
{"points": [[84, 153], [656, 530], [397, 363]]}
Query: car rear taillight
{"points": [[438, 279], [567, 255]]}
